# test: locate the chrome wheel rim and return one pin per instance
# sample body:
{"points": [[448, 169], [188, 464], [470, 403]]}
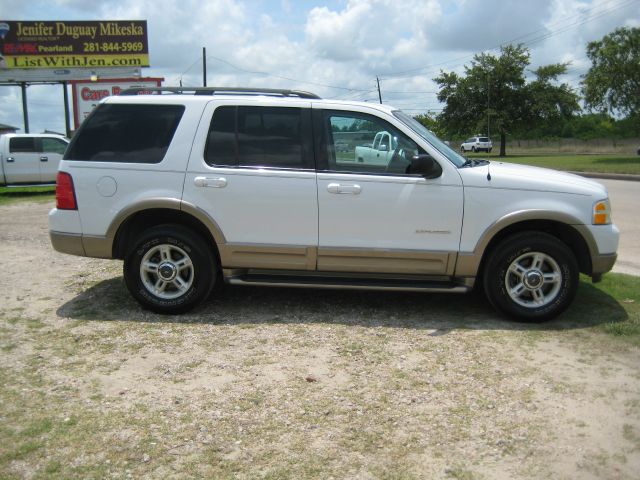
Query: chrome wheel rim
{"points": [[533, 280], [166, 271]]}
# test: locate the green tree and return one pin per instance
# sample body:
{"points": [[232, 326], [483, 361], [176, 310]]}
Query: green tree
{"points": [[612, 84], [431, 123], [493, 95], [549, 105]]}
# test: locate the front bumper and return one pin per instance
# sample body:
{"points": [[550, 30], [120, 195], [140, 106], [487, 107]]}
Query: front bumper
{"points": [[602, 264]]}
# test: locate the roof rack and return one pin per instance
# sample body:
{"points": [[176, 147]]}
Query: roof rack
{"points": [[218, 90]]}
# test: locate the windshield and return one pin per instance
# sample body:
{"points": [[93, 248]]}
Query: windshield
{"points": [[455, 158], [484, 139]]}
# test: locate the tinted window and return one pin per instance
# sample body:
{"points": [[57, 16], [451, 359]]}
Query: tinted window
{"points": [[258, 137], [53, 145], [22, 145], [484, 139], [362, 143], [221, 143], [133, 133]]}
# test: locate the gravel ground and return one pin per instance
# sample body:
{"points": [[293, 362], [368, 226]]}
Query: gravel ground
{"points": [[283, 383]]}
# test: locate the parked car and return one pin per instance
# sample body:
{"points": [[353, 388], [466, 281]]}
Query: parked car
{"points": [[476, 144], [245, 187], [30, 159]]}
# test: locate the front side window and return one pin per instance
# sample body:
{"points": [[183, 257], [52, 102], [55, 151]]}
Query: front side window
{"points": [[53, 145], [133, 133], [272, 137], [22, 145], [453, 156], [363, 143]]}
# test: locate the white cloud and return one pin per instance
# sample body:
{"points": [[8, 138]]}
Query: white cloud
{"points": [[342, 43]]}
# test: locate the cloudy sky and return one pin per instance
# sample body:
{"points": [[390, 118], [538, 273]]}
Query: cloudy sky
{"points": [[335, 48]]}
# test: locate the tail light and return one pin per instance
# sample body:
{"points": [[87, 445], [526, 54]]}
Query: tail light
{"points": [[65, 193]]}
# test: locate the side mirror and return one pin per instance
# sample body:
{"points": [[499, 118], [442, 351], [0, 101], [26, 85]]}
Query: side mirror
{"points": [[425, 165], [383, 147]]}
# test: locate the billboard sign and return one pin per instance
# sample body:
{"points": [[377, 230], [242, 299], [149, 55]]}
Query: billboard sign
{"points": [[87, 94], [17, 75], [36, 45]]}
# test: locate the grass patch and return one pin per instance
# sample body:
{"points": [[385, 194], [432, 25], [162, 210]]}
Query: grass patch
{"points": [[605, 163], [611, 306], [20, 194]]}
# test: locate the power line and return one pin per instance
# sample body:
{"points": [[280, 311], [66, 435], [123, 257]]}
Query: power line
{"points": [[257, 72]]}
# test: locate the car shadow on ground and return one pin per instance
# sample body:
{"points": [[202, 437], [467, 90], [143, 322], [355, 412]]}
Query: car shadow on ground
{"points": [[109, 300]]}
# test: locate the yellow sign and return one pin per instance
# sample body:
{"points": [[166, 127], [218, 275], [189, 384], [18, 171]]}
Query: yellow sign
{"points": [[73, 44]]}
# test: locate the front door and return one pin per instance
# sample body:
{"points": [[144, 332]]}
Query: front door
{"points": [[379, 219]]}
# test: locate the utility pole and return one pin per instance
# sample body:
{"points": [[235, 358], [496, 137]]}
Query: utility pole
{"points": [[204, 66], [488, 97], [379, 94]]}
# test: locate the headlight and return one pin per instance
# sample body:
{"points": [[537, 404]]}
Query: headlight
{"points": [[602, 212]]}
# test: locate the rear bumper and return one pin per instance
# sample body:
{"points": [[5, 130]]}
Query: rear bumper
{"points": [[67, 243], [81, 245]]}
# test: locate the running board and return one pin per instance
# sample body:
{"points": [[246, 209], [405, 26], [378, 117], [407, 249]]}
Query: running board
{"points": [[349, 283]]}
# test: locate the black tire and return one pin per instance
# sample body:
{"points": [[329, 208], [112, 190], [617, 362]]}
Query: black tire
{"points": [[531, 276], [183, 266], [473, 149]]}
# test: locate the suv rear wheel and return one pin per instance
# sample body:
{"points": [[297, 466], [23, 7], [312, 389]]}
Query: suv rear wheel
{"points": [[532, 276], [170, 270]]}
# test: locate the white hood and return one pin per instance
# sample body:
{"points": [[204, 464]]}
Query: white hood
{"points": [[523, 177]]}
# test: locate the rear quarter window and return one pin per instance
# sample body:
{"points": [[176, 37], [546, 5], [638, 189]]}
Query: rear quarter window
{"points": [[131, 133]]}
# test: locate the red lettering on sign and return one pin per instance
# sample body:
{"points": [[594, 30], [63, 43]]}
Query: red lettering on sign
{"points": [[95, 95]]}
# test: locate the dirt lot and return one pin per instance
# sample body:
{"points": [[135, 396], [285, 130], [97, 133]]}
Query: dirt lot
{"points": [[282, 383]]}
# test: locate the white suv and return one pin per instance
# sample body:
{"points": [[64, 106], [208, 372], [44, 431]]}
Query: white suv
{"points": [[476, 144], [194, 187]]}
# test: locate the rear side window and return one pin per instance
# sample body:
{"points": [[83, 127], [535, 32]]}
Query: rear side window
{"points": [[22, 145], [277, 137], [134, 133]]}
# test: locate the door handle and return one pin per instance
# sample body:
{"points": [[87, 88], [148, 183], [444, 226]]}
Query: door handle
{"points": [[351, 188], [44, 159], [10, 159], [213, 182]]}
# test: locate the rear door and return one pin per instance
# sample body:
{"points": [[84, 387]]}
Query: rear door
{"points": [[252, 171], [22, 164], [51, 151]]}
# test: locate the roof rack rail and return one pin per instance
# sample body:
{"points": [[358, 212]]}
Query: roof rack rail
{"points": [[219, 90]]}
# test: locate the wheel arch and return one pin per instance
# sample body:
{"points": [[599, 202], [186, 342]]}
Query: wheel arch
{"points": [[562, 226], [134, 220]]}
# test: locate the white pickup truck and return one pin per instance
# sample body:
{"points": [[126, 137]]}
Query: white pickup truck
{"points": [[30, 159], [380, 152]]}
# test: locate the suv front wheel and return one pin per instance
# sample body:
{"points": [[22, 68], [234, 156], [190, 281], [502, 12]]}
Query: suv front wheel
{"points": [[170, 270], [532, 276]]}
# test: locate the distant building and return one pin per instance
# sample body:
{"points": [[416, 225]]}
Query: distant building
{"points": [[7, 129]]}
